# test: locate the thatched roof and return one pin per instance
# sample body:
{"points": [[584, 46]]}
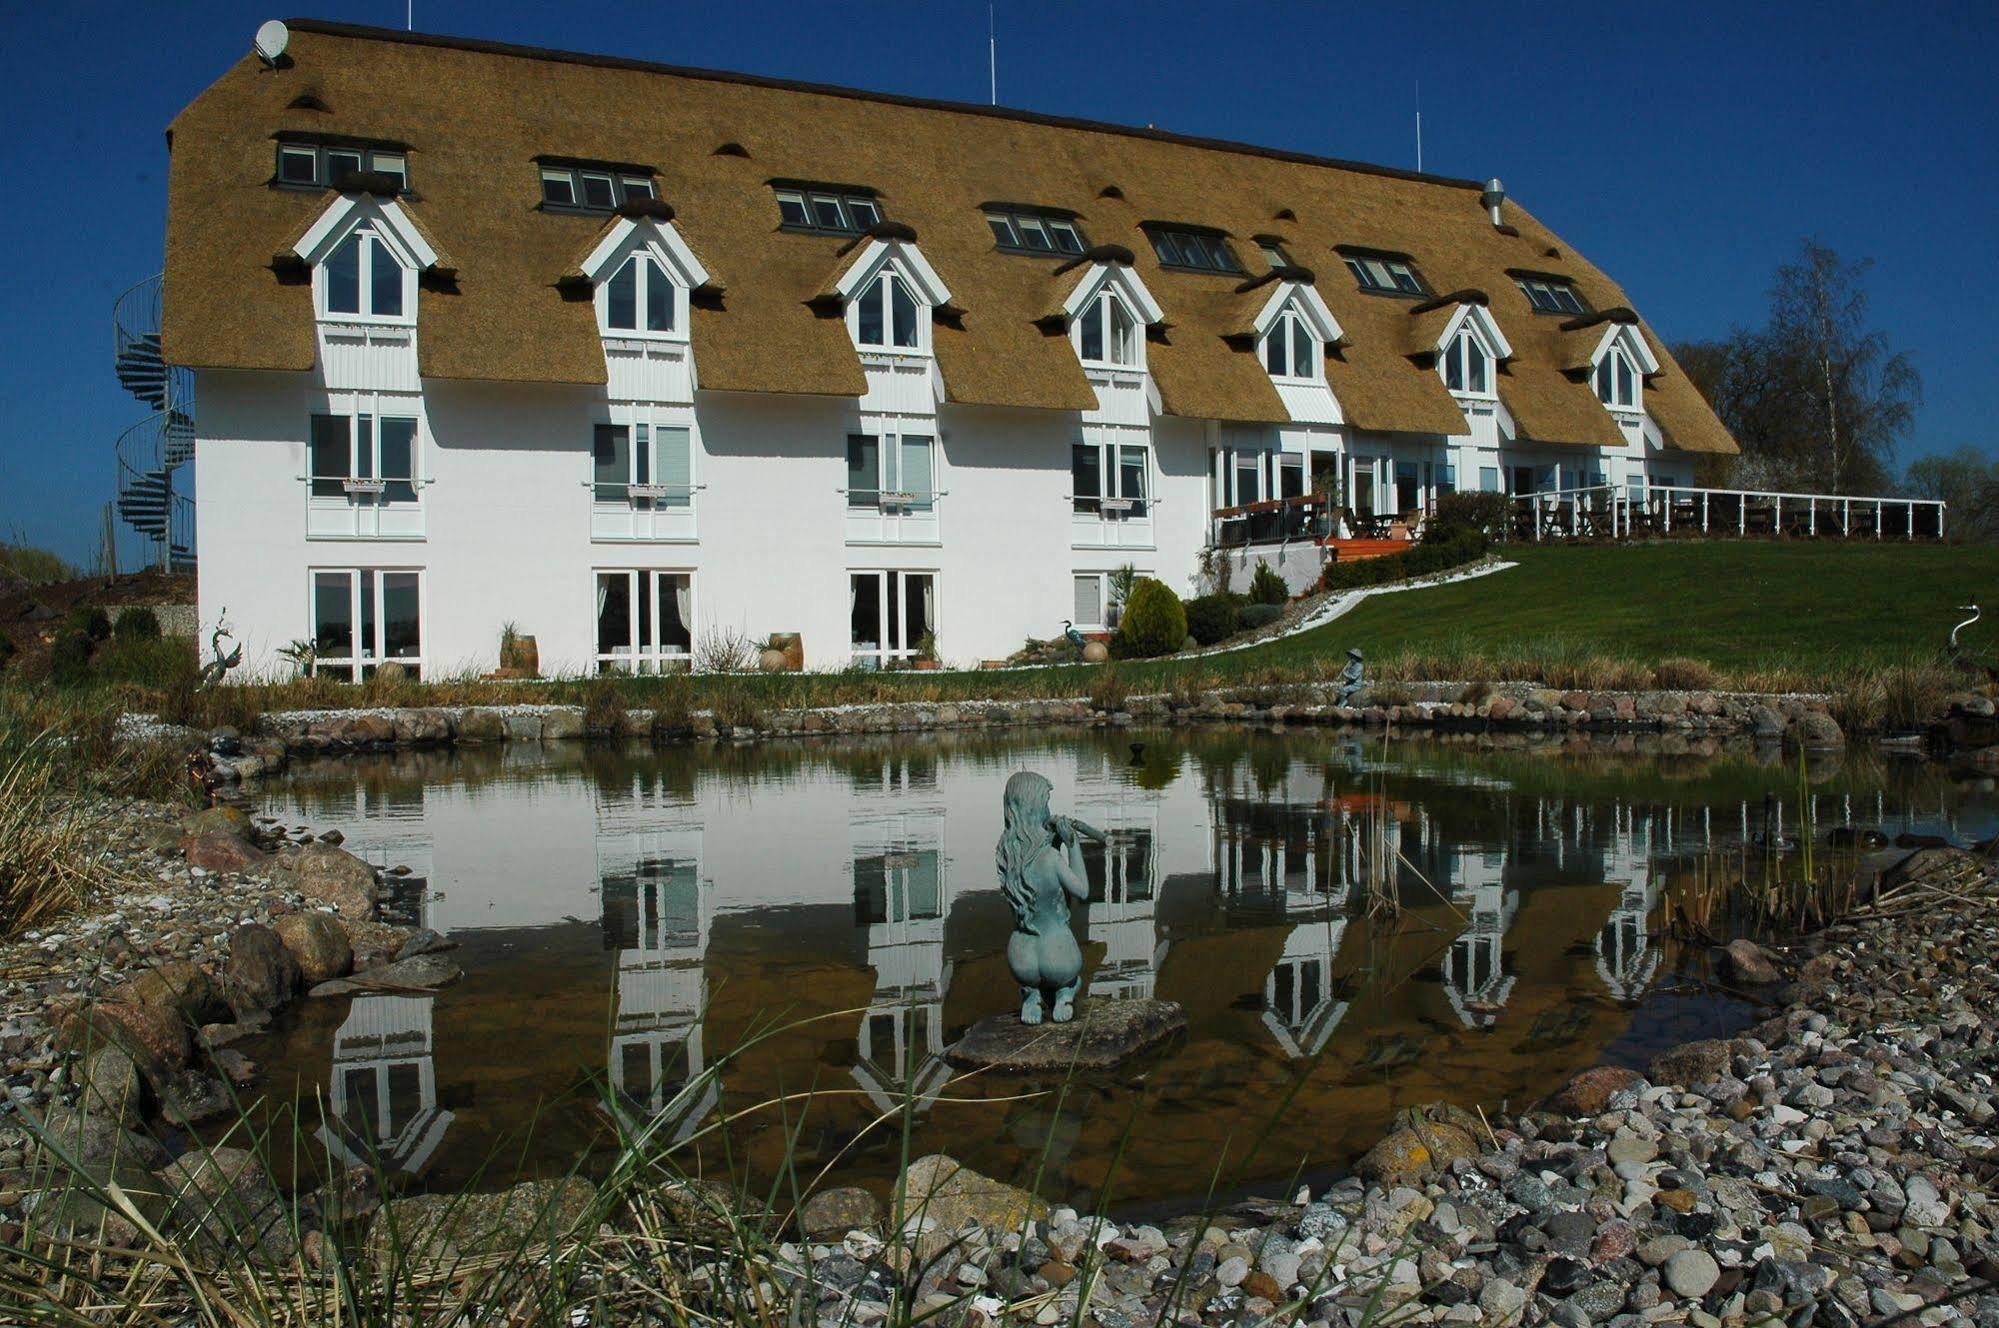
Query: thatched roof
{"points": [[476, 116]]}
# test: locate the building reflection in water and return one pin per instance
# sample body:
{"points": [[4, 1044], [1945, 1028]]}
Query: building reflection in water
{"points": [[383, 1087], [901, 896], [656, 916], [1123, 873], [1475, 978], [1628, 954]]}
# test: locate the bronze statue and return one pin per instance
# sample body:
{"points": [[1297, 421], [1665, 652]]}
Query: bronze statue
{"points": [[1040, 860], [1353, 677]]}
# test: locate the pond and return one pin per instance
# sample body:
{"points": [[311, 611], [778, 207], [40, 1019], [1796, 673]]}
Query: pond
{"points": [[1353, 925]]}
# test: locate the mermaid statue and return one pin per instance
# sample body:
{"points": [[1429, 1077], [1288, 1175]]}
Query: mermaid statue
{"points": [[1040, 858]]}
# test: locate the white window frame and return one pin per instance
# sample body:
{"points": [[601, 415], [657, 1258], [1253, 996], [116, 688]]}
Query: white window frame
{"points": [[1099, 311], [1618, 382], [1107, 615], [651, 266], [1110, 480], [365, 508], [886, 280], [1458, 355], [892, 585], [377, 244], [377, 161], [1548, 295], [367, 654], [650, 508], [624, 186], [1011, 229], [1378, 275], [848, 207], [645, 656], [1290, 327]]}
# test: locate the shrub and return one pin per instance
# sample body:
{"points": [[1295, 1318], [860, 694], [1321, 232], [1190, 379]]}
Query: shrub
{"points": [[137, 624], [1261, 615], [1267, 587], [1213, 618], [1460, 513], [154, 662], [1154, 622], [1109, 692], [604, 709], [1425, 559], [1685, 675], [69, 658], [93, 623]]}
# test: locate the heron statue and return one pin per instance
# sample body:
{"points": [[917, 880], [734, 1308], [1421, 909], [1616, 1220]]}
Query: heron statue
{"points": [[1976, 613], [1074, 637]]}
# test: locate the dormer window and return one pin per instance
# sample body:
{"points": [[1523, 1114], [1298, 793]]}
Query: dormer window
{"points": [[1551, 295], [826, 209], [1273, 251], [307, 165], [888, 316], [581, 187], [1621, 361], [1107, 333], [1289, 348], [364, 278], [1192, 249], [1022, 231], [1467, 364], [1617, 381], [640, 297], [1384, 274]]}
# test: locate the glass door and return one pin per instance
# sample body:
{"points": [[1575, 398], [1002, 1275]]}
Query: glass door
{"points": [[892, 617]]}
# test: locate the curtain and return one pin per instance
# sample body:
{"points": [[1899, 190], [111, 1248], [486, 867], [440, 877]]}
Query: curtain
{"points": [[683, 604]]}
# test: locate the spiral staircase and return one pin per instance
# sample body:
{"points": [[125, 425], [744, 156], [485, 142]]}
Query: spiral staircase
{"points": [[155, 498]]}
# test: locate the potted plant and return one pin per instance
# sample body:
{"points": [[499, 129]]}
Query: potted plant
{"points": [[519, 657], [926, 651], [304, 654]]}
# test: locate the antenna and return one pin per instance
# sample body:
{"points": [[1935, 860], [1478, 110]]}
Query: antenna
{"points": [[1419, 124], [992, 51], [271, 40], [409, 15]]}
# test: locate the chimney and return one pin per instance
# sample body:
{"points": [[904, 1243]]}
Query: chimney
{"points": [[1494, 198]]}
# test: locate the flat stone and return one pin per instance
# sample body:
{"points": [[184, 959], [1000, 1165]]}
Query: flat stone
{"points": [[1103, 1034], [949, 1193], [425, 972]]}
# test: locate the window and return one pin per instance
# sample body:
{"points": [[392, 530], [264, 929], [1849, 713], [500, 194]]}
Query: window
{"points": [[1107, 333], [1273, 253], [1289, 348], [1488, 479], [359, 458], [364, 277], [1096, 605], [362, 617], [893, 470], [1467, 366], [1193, 250], [648, 466], [1110, 480], [583, 188], [1552, 295], [829, 209], [1382, 274], [640, 297], [1617, 380], [317, 166], [888, 315], [889, 616], [645, 621], [1021, 232]]}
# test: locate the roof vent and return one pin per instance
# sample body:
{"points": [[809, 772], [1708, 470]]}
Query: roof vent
{"points": [[1285, 214], [1110, 191], [732, 149], [1494, 198]]}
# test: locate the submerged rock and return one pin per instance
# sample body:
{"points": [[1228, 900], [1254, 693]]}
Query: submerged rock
{"points": [[426, 972]]}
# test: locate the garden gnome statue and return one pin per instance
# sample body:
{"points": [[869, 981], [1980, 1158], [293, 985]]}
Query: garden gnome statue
{"points": [[1353, 677], [1040, 858]]}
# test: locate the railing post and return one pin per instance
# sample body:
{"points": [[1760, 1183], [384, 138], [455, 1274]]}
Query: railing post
{"points": [[1703, 511], [1777, 526], [1846, 518], [1909, 515], [1812, 518], [1877, 518]]}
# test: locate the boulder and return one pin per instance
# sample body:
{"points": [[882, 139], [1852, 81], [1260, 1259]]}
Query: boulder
{"points": [[1104, 1033], [481, 724], [328, 874], [219, 820], [1817, 731], [1765, 722], [155, 1038], [562, 724], [112, 1088], [423, 727], [262, 975], [831, 1214], [190, 1097], [213, 850], [1744, 962], [318, 944], [949, 1193], [439, 1230], [1589, 1093], [222, 1204], [1693, 1063], [1416, 1152], [179, 986]]}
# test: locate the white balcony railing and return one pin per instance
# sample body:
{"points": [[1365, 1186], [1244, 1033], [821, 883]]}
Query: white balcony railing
{"points": [[1607, 511], [1097, 522], [641, 512], [892, 516], [350, 507]]}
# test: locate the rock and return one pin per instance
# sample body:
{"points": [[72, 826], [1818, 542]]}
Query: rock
{"points": [[481, 724], [1817, 731], [156, 1039], [440, 1230], [1691, 1273], [1500, 1301], [221, 1202], [1765, 722], [220, 821], [318, 945], [425, 972], [213, 850], [262, 975], [112, 1089], [951, 1194], [328, 874], [1415, 1153], [831, 1214], [1744, 962], [1103, 1034], [179, 986], [191, 1097], [1692, 1063], [1589, 1093], [1634, 1148]]}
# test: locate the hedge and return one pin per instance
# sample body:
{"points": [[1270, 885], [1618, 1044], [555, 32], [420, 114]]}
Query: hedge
{"points": [[1215, 617], [1424, 559]]}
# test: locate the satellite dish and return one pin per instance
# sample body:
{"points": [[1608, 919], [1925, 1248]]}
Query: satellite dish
{"points": [[271, 39]]}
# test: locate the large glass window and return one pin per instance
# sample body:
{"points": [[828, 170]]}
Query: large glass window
{"points": [[645, 621], [1111, 479], [892, 470], [1289, 348], [1552, 295], [364, 278], [1107, 333], [892, 616], [889, 315], [319, 166], [829, 209], [1617, 380], [364, 617], [640, 297], [363, 457], [1467, 366], [592, 189], [646, 465]]}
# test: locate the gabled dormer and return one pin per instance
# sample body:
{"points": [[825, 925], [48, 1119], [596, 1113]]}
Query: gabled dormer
{"points": [[641, 272], [1107, 314], [888, 293], [1469, 353], [1618, 368], [365, 253], [1293, 329]]}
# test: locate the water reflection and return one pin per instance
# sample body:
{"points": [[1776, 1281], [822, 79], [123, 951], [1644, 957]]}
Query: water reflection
{"points": [[1350, 927]]}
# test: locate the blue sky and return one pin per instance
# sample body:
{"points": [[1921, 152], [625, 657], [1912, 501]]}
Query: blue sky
{"points": [[1686, 151]]}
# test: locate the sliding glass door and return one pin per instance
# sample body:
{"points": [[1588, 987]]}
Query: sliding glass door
{"points": [[892, 617]]}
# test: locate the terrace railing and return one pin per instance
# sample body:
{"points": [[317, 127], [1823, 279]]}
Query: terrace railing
{"points": [[1607, 512], [1277, 521]]}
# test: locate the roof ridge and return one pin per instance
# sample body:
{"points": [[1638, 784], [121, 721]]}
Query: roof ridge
{"points": [[367, 32]]}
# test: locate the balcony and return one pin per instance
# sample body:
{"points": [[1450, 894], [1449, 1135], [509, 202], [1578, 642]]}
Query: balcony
{"points": [[1111, 523], [642, 512], [892, 516], [1277, 521]]}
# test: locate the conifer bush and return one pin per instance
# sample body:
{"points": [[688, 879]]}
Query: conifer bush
{"points": [[1154, 621]]}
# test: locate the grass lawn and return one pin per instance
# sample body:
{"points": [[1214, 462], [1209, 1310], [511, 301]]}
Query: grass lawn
{"points": [[1742, 606]]}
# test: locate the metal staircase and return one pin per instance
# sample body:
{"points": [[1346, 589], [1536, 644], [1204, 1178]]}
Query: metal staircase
{"points": [[155, 497]]}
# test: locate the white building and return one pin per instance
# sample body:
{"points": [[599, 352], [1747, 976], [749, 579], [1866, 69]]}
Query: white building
{"points": [[630, 356]]}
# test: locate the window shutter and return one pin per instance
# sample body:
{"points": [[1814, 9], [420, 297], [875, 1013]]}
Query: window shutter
{"points": [[676, 465], [916, 472], [1089, 601]]}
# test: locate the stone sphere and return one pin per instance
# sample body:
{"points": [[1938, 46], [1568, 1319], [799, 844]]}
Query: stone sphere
{"points": [[772, 661], [391, 671], [1096, 652]]}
